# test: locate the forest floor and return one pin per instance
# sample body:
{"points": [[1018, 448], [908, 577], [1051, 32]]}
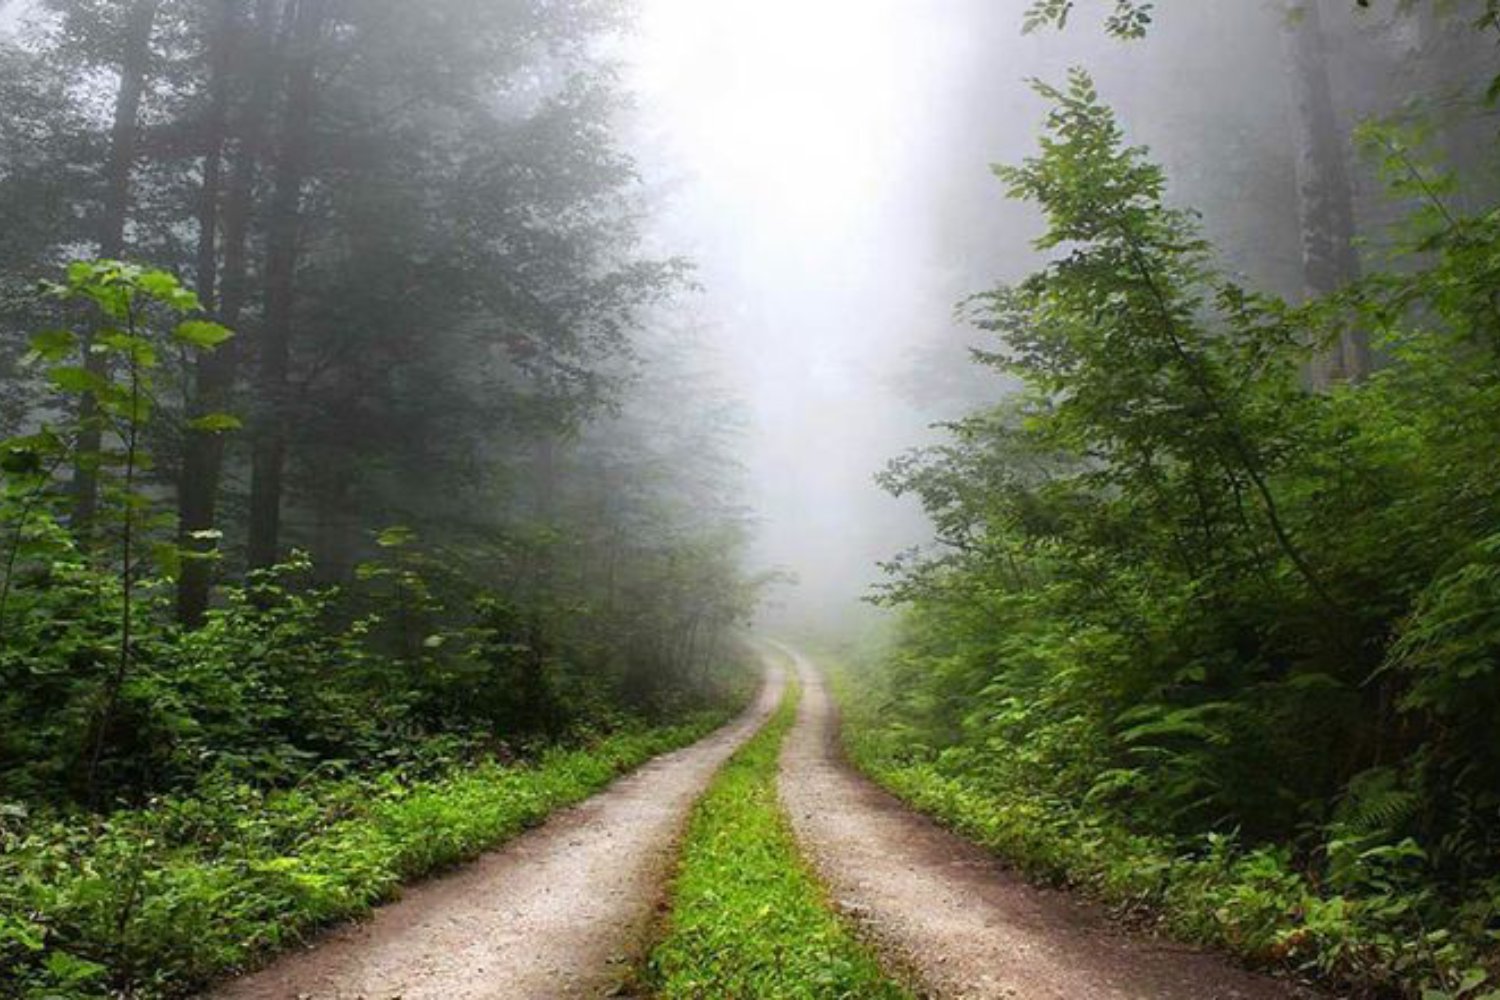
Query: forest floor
{"points": [[564, 910], [961, 925]]}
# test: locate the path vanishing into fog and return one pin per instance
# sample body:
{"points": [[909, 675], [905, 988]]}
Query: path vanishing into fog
{"points": [[561, 911], [943, 909]]}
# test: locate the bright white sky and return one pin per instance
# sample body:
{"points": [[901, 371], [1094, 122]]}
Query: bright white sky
{"points": [[785, 131]]}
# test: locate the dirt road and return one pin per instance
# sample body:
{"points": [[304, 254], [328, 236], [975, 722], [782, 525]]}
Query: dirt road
{"points": [[944, 909], [561, 911]]}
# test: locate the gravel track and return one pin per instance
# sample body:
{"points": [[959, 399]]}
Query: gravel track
{"points": [[561, 911], [947, 913]]}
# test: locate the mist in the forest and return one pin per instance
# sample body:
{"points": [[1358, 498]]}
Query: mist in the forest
{"points": [[824, 169], [827, 168]]}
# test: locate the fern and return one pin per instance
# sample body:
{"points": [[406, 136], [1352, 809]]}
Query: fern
{"points": [[1375, 806]]}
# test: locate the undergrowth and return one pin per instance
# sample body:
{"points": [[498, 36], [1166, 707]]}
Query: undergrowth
{"points": [[748, 919], [157, 901], [1375, 940]]}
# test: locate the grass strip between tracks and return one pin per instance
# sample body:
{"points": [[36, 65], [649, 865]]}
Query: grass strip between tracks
{"points": [[748, 918]]}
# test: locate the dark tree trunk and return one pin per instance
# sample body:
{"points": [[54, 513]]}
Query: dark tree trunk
{"points": [[119, 169], [214, 375], [268, 456], [1325, 196], [203, 461]]}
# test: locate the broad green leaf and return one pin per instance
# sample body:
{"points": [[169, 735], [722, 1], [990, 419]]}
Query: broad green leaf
{"points": [[166, 289], [54, 345], [72, 378], [216, 423], [395, 537], [202, 333], [132, 346]]}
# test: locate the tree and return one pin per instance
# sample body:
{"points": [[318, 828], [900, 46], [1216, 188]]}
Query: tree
{"points": [[1325, 203], [119, 170], [308, 21]]}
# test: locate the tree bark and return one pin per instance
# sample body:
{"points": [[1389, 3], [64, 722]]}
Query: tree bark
{"points": [[268, 457], [214, 374], [1325, 195], [119, 169], [230, 210]]}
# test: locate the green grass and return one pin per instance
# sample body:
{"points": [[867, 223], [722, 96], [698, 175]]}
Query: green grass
{"points": [[749, 921], [158, 901]]}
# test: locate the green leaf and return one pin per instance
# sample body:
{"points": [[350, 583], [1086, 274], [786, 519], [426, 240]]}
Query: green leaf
{"points": [[27, 935], [395, 537], [168, 559], [72, 378], [72, 970], [54, 345], [166, 289], [216, 423], [202, 333], [1473, 979], [131, 346]]}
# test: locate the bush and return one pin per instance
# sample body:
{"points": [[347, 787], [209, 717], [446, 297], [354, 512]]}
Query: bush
{"points": [[160, 900]]}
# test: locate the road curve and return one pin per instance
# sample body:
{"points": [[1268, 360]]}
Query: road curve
{"points": [[943, 909], [561, 911]]}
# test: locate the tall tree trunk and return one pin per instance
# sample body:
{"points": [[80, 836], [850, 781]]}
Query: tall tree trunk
{"points": [[203, 460], [119, 169], [268, 456], [198, 487], [1325, 196]]}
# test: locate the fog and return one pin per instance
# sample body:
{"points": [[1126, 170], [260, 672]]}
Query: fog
{"points": [[824, 167], [789, 142], [827, 167]]}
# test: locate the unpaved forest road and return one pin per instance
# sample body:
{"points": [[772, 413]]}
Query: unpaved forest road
{"points": [[951, 914], [561, 911]]}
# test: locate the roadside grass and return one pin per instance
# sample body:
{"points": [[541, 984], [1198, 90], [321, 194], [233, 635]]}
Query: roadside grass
{"points": [[749, 921], [156, 902]]}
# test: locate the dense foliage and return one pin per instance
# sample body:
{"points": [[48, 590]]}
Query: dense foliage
{"points": [[346, 460], [1178, 593], [159, 900], [748, 919], [417, 456]]}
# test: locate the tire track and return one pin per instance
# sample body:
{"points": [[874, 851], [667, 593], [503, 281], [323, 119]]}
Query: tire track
{"points": [[966, 927], [561, 911]]}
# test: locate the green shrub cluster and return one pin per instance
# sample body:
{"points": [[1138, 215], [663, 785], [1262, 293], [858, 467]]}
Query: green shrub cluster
{"points": [[109, 693], [748, 920], [159, 900]]}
